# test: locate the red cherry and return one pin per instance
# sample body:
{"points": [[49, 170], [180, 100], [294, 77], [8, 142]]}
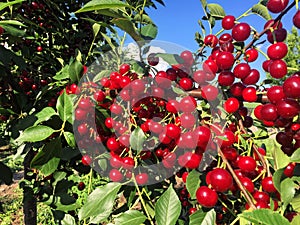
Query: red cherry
{"points": [[225, 38], [278, 68], [128, 163], [236, 89], [211, 40], [82, 129], [189, 160], [220, 179], [247, 164], [124, 68], [296, 19], [289, 170], [39, 48], [249, 94], [172, 106], [112, 144], [173, 131], [291, 87], [247, 183], [142, 178], [1, 30], [186, 83], [204, 135], [288, 108], [261, 196], [231, 105], [199, 76], [241, 70], [115, 161], [152, 59], [275, 94], [225, 60], [268, 112], [241, 32], [252, 78], [206, 197], [278, 35], [277, 6], [187, 120], [209, 92], [251, 55], [80, 186], [226, 78], [228, 22], [268, 185], [187, 57], [86, 160], [188, 104], [277, 50], [115, 175]]}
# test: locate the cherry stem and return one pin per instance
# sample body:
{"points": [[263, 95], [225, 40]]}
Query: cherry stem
{"points": [[237, 180]]}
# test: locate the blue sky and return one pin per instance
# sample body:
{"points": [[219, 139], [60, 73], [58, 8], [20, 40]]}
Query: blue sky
{"points": [[178, 20]]}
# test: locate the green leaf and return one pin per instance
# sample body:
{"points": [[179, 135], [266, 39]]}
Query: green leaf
{"points": [[167, 208], [172, 59], [68, 220], [296, 220], [44, 115], [64, 107], [48, 157], [100, 75], [193, 183], [203, 218], [128, 26], [75, 71], [296, 156], [137, 138], [96, 29], [130, 217], [296, 203], [287, 191], [262, 11], [35, 133], [13, 30], [102, 4], [63, 73], [277, 178], [204, 3], [264, 217], [100, 203], [149, 32], [11, 22], [6, 174], [7, 4], [69, 136], [216, 10]]}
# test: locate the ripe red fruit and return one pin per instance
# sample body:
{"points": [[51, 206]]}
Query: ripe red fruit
{"points": [[228, 22], [249, 94], [82, 129], [142, 178], [288, 108], [39, 48], [152, 59], [226, 78], [268, 185], [86, 160], [206, 197], [225, 60], [241, 32], [247, 183], [231, 105], [209, 92], [277, 6], [252, 78], [186, 83], [203, 134], [289, 170], [278, 68], [115, 175], [112, 144], [269, 112], [229, 139], [291, 87], [241, 70], [275, 94], [172, 106], [188, 104], [220, 179], [80, 186], [199, 76], [261, 196], [278, 35], [277, 50], [251, 55], [296, 19], [225, 38], [210, 66], [187, 57], [237, 89], [257, 112], [189, 160], [124, 68], [265, 65], [173, 131], [187, 120], [211, 40], [128, 163], [246, 164]]}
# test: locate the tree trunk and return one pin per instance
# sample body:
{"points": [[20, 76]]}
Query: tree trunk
{"points": [[29, 200]]}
